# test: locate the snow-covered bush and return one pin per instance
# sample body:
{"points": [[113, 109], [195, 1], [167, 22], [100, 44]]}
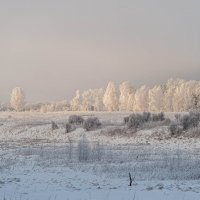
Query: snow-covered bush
{"points": [[185, 122], [177, 117], [88, 152], [146, 116], [91, 123], [68, 128], [145, 120], [190, 121], [158, 117], [54, 126], [84, 149], [135, 120], [175, 129], [126, 119], [194, 118], [75, 119]]}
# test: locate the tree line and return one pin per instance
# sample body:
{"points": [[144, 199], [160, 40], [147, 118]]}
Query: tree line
{"points": [[176, 95]]}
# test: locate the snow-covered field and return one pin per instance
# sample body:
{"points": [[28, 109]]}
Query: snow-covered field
{"points": [[38, 163]]}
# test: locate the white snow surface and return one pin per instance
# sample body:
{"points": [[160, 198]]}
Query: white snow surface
{"points": [[35, 162]]}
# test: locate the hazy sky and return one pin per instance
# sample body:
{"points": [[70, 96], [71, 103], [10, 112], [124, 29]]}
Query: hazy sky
{"points": [[52, 47]]}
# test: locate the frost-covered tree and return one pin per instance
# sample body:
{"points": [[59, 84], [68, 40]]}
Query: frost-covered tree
{"points": [[43, 109], [176, 95], [178, 99], [156, 98], [98, 99], [131, 102], [75, 102], [62, 106], [142, 99], [87, 100], [92, 99], [184, 95], [17, 100], [125, 91], [110, 99], [169, 94]]}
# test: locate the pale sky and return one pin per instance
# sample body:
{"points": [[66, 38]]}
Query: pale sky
{"points": [[50, 48]]}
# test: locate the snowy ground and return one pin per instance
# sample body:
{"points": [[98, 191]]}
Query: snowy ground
{"points": [[36, 163]]}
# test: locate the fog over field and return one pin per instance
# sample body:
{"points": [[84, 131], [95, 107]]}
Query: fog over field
{"points": [[99, 99], [52, 48]]}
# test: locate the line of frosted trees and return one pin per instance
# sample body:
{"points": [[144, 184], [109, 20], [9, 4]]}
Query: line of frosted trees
{"points": [[176, 95]]}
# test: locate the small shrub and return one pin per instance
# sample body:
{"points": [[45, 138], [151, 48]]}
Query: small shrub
{"points": [[68, 128], [185, 122], [177, 117], [146, 116], [75, 119], [126, 119], [135, 120], [194, 119], [190, 121], [145, 120], [175, 129], [91, 123], [54, 126], [195, 114], [158, 117]]}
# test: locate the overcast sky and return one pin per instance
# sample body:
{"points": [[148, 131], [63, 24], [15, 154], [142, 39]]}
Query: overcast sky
{"points": [[50, 48]]}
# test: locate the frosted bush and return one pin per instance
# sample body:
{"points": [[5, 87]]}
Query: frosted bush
{"points": [[84, 149], [175, 129], [135, 120], [177, 117], [91, 123], [158, 117], [146, 116], [54, 126], [190, 121], [138, 120], [68, 128], [75, 119], [126, 119]]}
